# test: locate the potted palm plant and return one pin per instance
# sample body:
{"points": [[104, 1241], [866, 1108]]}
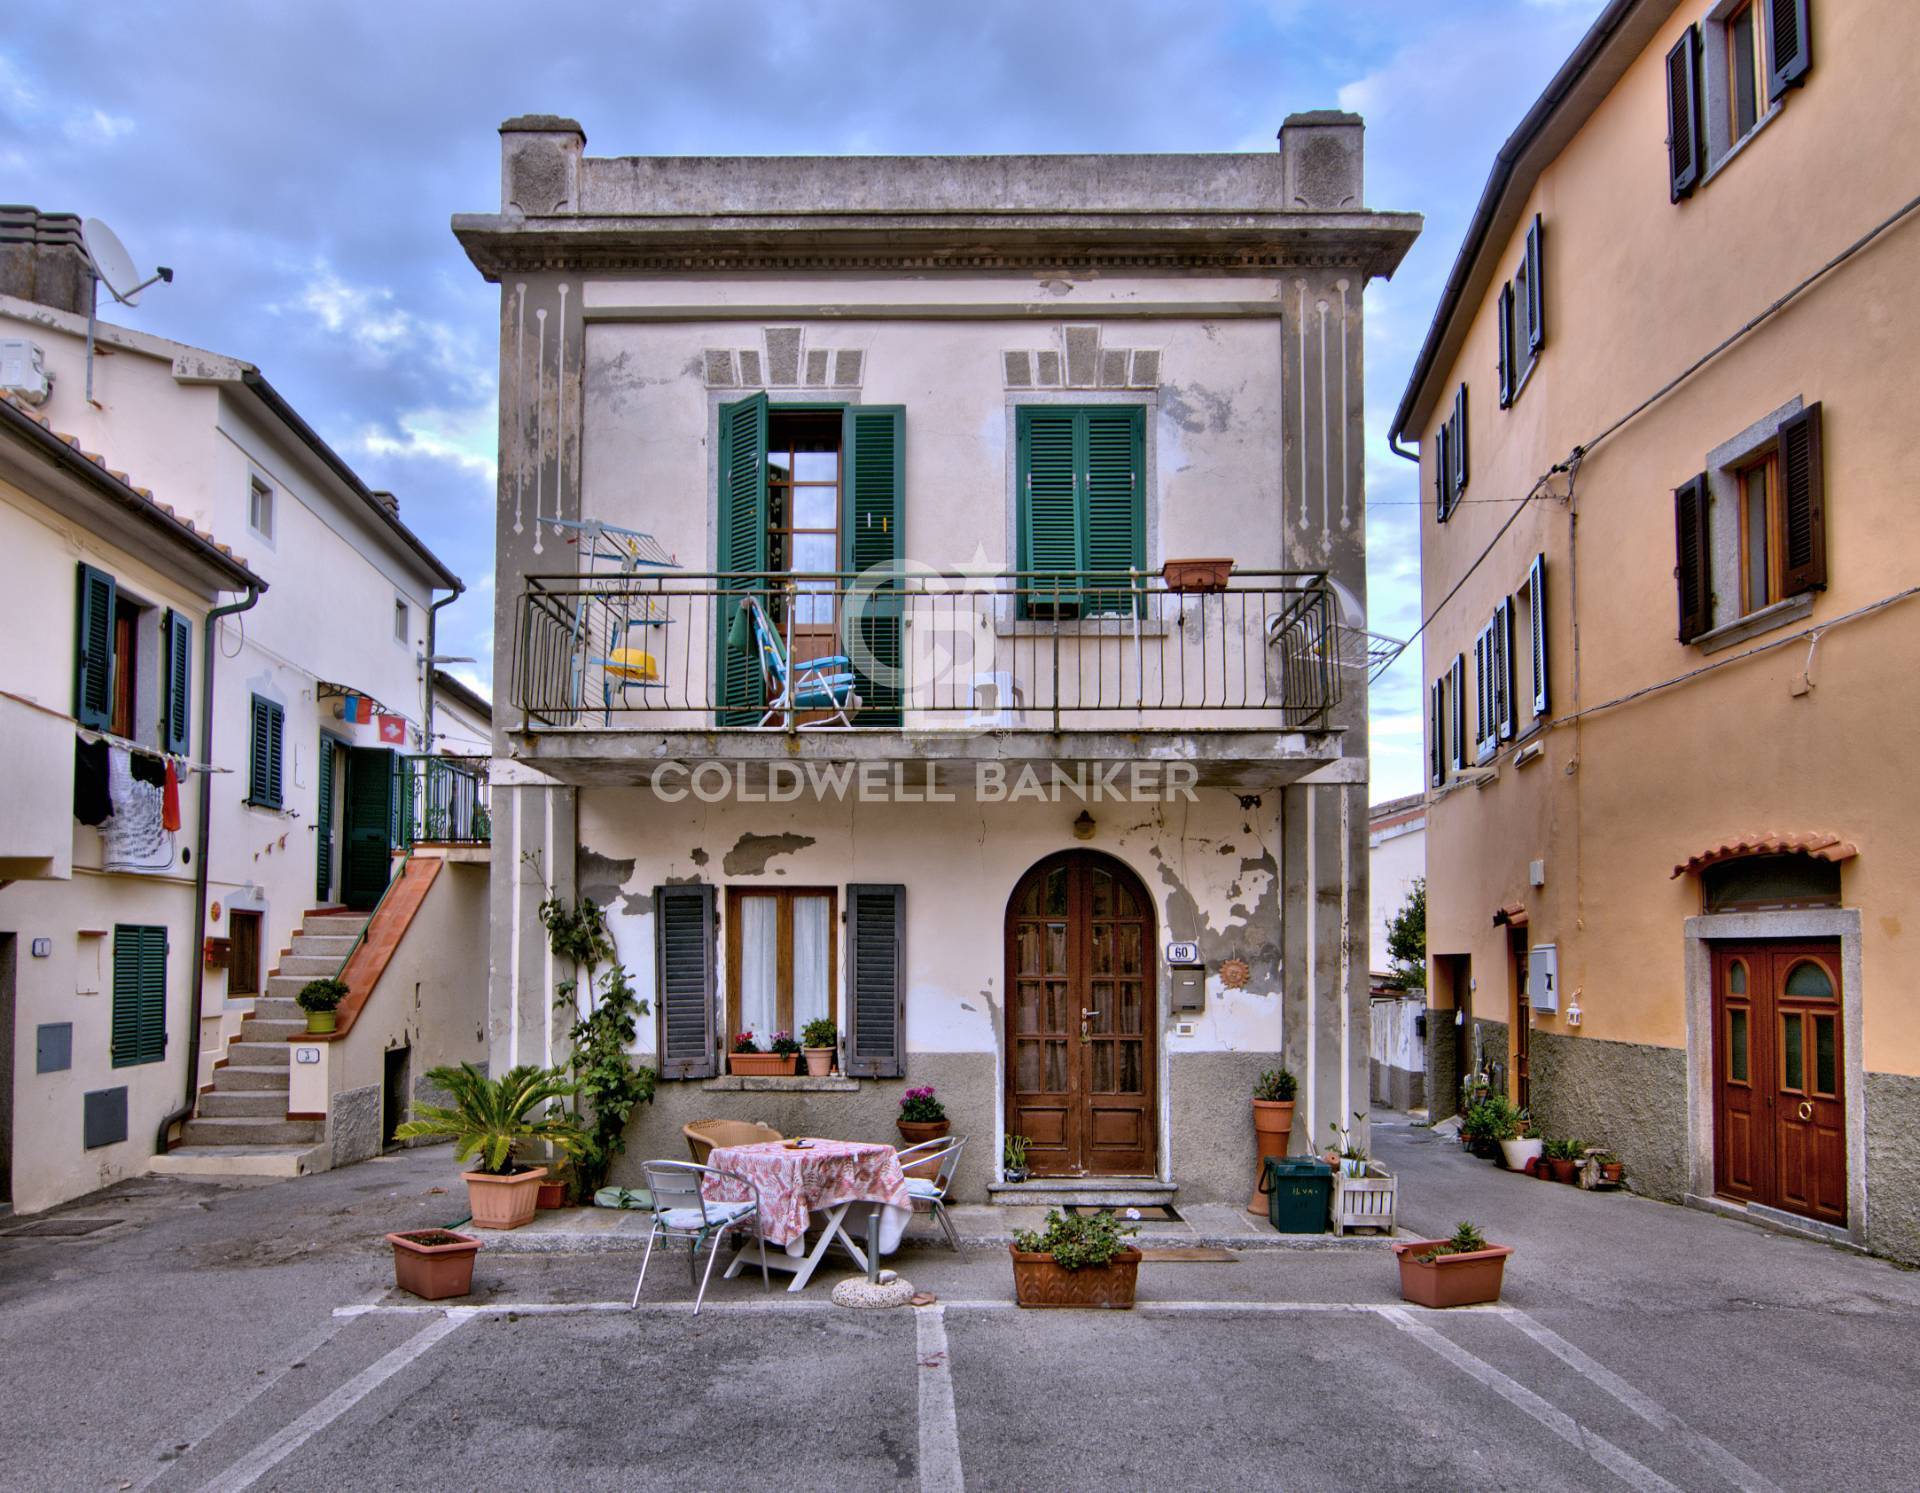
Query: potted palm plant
{"points": [[1562, 1159], [1461, 1270], [819, 1039], [1272, 1124], [1079, 1259], [488, 1120], [320, 999]]}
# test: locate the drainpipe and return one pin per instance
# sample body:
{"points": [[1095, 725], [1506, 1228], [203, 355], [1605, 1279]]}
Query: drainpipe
{"points": [[1393, 445], [202, 832], [433, 620]]}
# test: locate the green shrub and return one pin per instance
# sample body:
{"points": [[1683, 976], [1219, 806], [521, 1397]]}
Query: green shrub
{"points": [[1077, 1241], [1276, 1086], [321, 995]]}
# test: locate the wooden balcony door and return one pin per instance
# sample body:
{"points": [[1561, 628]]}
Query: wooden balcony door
{"points": [[1081, 1021], [1779, 1078]]}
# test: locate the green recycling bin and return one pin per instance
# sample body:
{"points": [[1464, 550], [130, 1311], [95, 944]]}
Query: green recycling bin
{"points": [[1299, 1190]]}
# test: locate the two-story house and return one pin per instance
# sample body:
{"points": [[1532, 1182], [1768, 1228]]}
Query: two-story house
{"points": [[313, 748], [1669, 575], [836, 657]]}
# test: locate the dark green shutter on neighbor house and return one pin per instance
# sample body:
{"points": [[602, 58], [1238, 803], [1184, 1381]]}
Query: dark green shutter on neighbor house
{"points": [[93, 649], [266, 753], [683, 943], [176, 633], [742, 467], [323, 825], [367, 856], [875, 441], [1080, 479], [139, 994]]}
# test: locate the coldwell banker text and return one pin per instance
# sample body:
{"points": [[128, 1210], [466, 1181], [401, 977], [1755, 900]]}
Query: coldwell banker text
{"points": [[915, 783]]}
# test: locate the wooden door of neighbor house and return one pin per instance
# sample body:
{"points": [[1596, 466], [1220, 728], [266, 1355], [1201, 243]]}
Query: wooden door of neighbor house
{"points": [[367, 830], [1081, 1021], [1779, 1077]]}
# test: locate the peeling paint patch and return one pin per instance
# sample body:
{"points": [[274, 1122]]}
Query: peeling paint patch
{"points": [[1196, 408], [1251, 933], [698, 856], [751, 852], [601, 876]]}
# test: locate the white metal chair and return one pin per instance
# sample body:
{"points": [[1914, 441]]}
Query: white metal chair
{"points": [[826, 683], [932, 1191], [680, 1211]]}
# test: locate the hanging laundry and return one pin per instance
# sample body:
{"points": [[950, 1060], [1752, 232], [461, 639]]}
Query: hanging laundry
{"points": [[134, 838], [170, 800], [149, 769], [92, 803]]}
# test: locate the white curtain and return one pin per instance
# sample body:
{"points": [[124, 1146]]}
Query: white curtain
{"points": [[759, 967], [811, 975]]}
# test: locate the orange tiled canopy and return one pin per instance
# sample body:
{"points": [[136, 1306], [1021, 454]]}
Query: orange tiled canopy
{"points": [[1826, 847]]}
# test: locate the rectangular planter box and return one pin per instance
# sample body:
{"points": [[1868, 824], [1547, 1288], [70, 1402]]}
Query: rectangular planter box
{"points": [[431, 1271], [1365, 1202], [761, 1064], [1037, 1281], [1452, 1280]]}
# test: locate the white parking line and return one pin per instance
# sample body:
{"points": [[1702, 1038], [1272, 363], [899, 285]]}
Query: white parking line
{"points": [[939, 1428], [1648, 1409], [257, 1463], [1623, 1466]]}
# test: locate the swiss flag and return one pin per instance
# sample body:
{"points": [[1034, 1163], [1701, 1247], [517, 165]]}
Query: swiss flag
{"points": [[393, 729]]}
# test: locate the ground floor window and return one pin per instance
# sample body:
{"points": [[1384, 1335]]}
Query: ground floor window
{"points": [[781, 958], [139, 994]]}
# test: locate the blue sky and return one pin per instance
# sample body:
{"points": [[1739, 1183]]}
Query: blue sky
{"points": [[297, 164]]}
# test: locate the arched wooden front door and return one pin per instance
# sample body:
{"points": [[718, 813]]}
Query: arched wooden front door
{"points": [[1080, 1018]]}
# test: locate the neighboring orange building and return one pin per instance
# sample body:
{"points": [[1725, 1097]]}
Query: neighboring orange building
{"points": [[1665, 413]]}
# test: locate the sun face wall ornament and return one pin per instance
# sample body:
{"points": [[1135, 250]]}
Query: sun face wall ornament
{"points": [[1234, 974]]}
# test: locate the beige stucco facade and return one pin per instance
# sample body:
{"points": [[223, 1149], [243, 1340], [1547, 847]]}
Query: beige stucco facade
{"points": [[1651, 750]]}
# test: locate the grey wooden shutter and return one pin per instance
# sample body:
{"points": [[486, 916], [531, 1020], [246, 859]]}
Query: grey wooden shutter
{"points": [[1789, 45], [683, 943], [1459, 690], [1442, 473], [1536, 287], [1507, 379], [1683, 115], [176, 635], [1436, 744], [1803, 504], [93, 648], [1537, 594], [876, 981], [1690, 569], [1479, 691], [1504, 708], [1459, 442]]}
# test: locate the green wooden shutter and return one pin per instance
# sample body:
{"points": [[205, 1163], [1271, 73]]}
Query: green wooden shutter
{"points": [[876, 1017], [139, 1032], [323, 826], [367, 858], [875, 510], [1803, 504], [1049, 530], [683, 946], [93, 649], [1115, 441], [739, 689], [265, 754], [176, 633]]}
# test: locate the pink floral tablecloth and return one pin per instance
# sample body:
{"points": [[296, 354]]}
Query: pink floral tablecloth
{"points": [[794, 1183]]}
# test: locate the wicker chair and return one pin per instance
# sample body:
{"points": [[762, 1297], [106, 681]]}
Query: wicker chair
{"points": [[704, 1135]]}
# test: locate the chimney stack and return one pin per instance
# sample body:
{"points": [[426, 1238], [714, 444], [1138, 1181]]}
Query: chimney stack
{"points": [[42, 259]]}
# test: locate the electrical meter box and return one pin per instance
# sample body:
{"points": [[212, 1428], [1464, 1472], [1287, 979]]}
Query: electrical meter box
{"points": [[1543, 977]]}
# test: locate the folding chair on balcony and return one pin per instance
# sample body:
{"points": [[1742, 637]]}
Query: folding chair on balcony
{"points": [[932, 1191], [826, 683], [681, 1211]]}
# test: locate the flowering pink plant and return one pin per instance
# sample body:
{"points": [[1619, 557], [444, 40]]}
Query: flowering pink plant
{"points": [[783, 1044], [745, 1043], [919, 1107]]}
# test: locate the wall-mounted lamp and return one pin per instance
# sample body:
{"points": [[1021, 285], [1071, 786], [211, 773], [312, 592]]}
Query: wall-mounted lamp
{"points": [[1083, 826]]}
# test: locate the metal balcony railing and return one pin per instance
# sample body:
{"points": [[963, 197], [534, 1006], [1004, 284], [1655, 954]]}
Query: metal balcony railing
{"points": [[679, 650], [445, 801]]}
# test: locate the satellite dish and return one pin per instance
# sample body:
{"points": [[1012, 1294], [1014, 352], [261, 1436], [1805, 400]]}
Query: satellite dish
{"points": [[113, 265]]}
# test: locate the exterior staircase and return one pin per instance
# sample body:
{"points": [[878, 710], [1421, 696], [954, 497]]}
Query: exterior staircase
{"points": [[240, 1125]]}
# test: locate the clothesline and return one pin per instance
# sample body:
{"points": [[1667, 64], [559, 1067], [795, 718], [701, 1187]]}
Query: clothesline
{"points": [[90, 733]]}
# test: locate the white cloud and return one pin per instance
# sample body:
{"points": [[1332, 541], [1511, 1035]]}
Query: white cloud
{"points": [[465, 438], [96, 127]]}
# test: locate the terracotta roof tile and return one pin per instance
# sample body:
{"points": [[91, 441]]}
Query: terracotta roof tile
{"points": [[1820, 844]]}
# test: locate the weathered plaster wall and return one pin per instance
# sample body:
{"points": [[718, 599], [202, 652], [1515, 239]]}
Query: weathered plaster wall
{"points": [[1627, 1096], [1893, 1166]]}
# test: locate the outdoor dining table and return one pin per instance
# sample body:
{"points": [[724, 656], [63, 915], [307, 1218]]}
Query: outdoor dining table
{"points": [[822, 1177]]}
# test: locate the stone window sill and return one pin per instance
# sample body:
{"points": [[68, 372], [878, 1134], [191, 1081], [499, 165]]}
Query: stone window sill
{"points": [[735, 1083], [1755, 623]]}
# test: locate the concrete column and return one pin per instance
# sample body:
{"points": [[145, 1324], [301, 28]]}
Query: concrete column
{"points": [[535, 837], [1324, 938]]}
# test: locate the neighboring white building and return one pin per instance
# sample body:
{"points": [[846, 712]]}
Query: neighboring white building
{"points": [[316, 730], [1396, 859]]}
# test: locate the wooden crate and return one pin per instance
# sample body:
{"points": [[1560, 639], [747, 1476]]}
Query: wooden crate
{"points": [[1365, 1202]]}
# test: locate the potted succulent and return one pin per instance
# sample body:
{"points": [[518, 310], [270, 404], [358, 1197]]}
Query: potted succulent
{"points": [[1462, 1270], [1080, 1259], [433, 1264], [489, 1119], [819, 1039], [1481, 1125], [1562, 1159], [1345, 1157], [748, 1060], [1272, 1124], [1013, 1158], [320, 999]]}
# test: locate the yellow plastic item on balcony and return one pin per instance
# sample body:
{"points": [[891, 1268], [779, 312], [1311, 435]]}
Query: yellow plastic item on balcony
{"points": [[635, 665]]}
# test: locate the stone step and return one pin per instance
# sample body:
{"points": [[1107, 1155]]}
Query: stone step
{"points": [[309, 965], [232, 1104], [237, 1078], [334, 924], [286, 987], [258, 1055], [1093, 1192], [253, 1029], [251, 1131], [277, 1008], [237, 1161], [323, 946]]}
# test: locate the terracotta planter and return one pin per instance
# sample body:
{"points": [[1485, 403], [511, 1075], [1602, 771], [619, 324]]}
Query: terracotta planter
{"points": [[912, 1132], [1038, 1281], [1611, 1172], [819, 1061], [1196, 575], [1451, 1280], [323, 1021], [1272, 1124], [761, 1064], [433, 1264], [503, 1202], [1517, 1153], [1559, 1170], [552, 1195]]}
